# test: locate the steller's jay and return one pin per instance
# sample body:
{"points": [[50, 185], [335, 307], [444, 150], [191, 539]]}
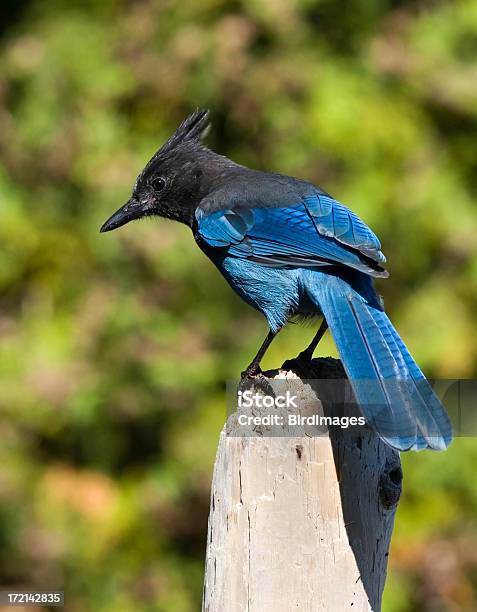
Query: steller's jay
{"points": [[289, 249]]}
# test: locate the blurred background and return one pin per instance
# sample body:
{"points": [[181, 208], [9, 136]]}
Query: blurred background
{"points": [[115, 348]]}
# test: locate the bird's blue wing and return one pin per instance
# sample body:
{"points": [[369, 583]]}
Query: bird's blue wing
{"points": [[316, 232], [335, 220]]}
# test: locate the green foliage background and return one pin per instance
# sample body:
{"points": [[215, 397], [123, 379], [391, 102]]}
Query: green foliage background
{"points": [[114, 348]]}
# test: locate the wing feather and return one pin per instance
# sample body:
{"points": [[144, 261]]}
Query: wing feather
{"points": [[317, 232]]}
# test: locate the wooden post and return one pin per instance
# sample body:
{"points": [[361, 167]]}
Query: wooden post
{"points": [[300, 523]]}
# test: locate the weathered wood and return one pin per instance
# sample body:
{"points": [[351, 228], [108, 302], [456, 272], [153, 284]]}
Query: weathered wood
{"points": [[303, 522]]}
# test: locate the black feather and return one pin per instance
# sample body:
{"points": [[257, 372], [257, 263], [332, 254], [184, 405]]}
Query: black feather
{"points": [[193, 129]]}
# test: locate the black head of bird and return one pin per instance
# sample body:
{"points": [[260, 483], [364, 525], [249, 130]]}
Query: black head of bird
{"points": [[177, 177]]}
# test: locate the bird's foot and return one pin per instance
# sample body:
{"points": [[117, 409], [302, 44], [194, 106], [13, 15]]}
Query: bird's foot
{"points": [[253, 377]]}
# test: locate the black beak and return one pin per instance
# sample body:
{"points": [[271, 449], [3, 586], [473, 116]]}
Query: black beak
{"points": [[130, 211]]}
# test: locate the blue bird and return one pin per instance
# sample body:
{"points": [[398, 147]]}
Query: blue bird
{"points": [[291, 250]]}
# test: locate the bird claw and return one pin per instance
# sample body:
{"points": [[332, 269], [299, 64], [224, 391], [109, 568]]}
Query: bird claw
{"points": [[256, 379]]}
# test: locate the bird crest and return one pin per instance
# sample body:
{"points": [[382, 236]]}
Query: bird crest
{"points": [[191, 131]]}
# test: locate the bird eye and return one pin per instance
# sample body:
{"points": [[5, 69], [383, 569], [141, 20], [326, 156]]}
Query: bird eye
{"points": [[158, 183]]}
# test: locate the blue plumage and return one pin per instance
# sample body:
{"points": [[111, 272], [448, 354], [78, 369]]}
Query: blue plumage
{"points": [[280, 260], [294, 235], [289, 249]]}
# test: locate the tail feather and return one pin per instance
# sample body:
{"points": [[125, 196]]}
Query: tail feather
{"points": [[392, 392], [441, 422]]}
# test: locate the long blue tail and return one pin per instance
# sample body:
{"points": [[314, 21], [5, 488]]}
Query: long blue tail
{"points": [[392, 392]]}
